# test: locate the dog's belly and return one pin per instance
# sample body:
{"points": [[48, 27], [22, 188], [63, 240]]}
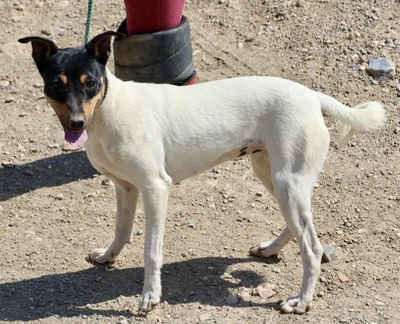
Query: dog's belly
{"points": [[202, 161], [248, 149]]}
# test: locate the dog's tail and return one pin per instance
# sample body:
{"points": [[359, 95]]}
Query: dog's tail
{"points": [[363, 117]]}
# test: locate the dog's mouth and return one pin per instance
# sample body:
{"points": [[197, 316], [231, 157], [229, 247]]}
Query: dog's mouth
{"points": [[76, 138]]}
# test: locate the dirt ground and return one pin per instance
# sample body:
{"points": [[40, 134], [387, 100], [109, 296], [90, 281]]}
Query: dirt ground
{"points": [[55, 208]]}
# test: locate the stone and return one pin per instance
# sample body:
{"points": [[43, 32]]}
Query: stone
{"points": [[264, 292], [4, 84], [329, 254], [381, 67], [60, 196], [342, 277], [231, 299]]}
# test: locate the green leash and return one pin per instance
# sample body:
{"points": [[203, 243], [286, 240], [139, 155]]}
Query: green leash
{"points": [[89, 20]]}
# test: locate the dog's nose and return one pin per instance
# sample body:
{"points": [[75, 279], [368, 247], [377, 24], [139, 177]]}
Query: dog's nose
{"points": [[76, 123]]}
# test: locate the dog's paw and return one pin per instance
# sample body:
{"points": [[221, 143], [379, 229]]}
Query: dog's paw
{"points": [[294, 305], [149, 300], [264, 250], [102, 256]]}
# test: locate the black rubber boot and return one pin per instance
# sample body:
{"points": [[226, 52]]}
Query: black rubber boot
{"points": [[159, 57]]}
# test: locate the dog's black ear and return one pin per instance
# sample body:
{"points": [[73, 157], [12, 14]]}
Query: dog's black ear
{"points": [[100, 46], [42, 49]]}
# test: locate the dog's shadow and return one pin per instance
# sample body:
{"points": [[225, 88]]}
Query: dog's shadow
{"points": [[73, 294], [53, 171]]}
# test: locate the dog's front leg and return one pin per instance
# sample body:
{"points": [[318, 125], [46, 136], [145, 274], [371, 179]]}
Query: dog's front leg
{"points": [[127, 196], [155, 201]]}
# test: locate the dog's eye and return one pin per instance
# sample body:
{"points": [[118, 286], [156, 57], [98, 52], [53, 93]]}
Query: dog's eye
{"points": [[91, 84], [56, 84]]}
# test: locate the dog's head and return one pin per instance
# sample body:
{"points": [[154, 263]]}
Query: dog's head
{"points": [[74, 78]]}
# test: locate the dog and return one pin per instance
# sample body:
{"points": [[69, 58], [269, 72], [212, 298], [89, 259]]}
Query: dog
{"points": [[146, 137]]}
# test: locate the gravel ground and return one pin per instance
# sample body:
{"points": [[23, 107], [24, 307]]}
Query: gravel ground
{"points": [[55, 208]]}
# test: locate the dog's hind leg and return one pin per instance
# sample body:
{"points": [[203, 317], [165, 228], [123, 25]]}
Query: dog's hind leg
{"points": [[272, 248], [295, 165], [262, 169], [127, 196], [293, 193]]}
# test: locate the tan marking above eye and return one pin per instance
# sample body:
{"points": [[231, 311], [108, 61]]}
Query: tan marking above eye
{"points": [[63, 79], [83, 78]]}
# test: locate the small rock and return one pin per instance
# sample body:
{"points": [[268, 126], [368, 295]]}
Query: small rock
{"points": [[4, 84], [231, 299], [299, 3], [342, 277], [21, 148], [54, 145], [28, 172], [106, 182], [139, 232], [60, 196], [9, 100], [263, 292], [8, 165], [381, 67], [329, 254], [231, 193], [123, 321], [45, 32], [204, 317], [234, 4]]}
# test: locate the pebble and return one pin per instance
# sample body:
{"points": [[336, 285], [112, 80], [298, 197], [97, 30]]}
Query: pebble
{"points": [[329, 254], [299, 3], [381, 67], [204, 317], [231, 299], [60, 196], [28, 172], [8, 165], [106, 182], [398, 87], [342, 277], [123, 321], [4, 84], [46, 32], [264, 292]]}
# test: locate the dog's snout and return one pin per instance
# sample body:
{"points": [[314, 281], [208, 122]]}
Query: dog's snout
{"points": [[76, 123]]}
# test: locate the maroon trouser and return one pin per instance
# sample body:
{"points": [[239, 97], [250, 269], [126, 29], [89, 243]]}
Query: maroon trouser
{"points": [[146, 16]]}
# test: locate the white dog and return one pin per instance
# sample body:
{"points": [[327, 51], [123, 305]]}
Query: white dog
{"points": [[145, 137]]}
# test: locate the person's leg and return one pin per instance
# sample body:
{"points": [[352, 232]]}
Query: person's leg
{"points": [[144, 16], [158, 48]]}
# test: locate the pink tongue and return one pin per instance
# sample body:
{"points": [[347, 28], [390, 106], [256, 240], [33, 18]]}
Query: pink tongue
{"points": [[76, 139]]}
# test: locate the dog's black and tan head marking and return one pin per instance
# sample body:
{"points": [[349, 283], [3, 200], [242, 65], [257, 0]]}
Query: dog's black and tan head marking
{"points": [[74, 78]]}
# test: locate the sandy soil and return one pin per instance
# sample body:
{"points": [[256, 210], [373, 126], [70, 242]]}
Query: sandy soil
{"points": [[55, 208]]}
